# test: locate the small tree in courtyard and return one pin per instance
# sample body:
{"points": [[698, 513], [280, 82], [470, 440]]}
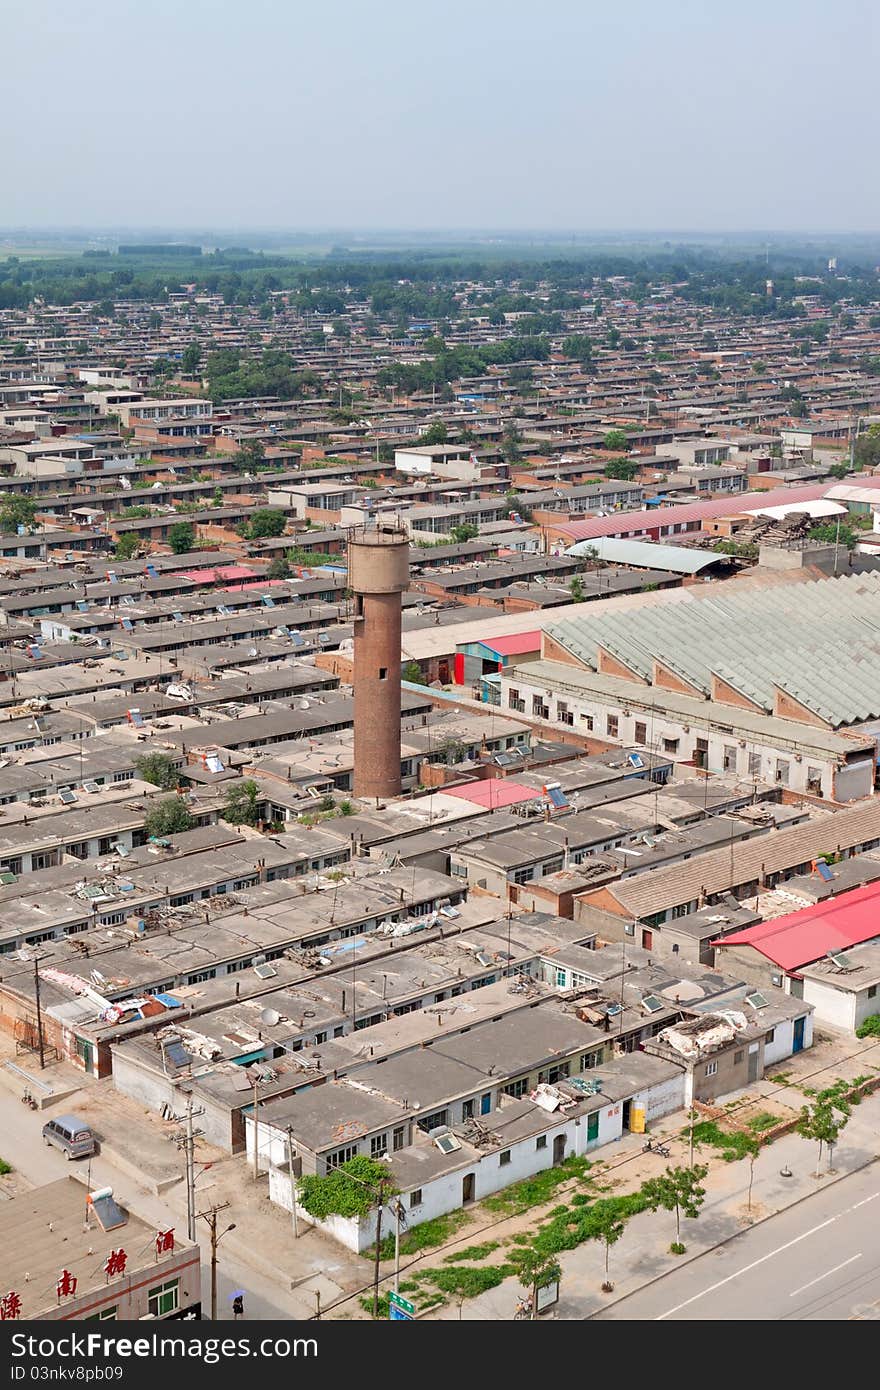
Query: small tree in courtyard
{"points": [[679, 1190], [823, 1123], [158, 769], [169, 817], [609, 1229], [242, 804], [537, 1271], [181, 537]]}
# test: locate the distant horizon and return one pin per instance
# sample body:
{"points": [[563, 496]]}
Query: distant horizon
{"points": [[365, 229], [578, 238], [494, 117]]}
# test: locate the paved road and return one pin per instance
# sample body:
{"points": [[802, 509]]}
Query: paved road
{"points": [[22, 1145], [819, 1260]]}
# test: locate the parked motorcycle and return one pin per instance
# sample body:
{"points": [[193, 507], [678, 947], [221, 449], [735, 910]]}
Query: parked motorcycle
{"points": [[28, 1099], [650, 1147]]}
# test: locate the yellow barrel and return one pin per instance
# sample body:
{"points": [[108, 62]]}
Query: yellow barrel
{"points": [[637, 1118]]}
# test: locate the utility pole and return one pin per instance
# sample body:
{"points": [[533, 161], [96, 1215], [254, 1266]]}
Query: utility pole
{"points": [[290, 1175], [380, 1202], [37, 960], [398, 1217], [256, 1130], [187, 1142], [211, 1218]]}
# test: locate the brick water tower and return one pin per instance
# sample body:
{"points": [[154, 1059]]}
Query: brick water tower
{"points": [[378, 573]]}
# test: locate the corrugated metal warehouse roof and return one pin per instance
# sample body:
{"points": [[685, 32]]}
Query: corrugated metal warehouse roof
{"points": [[823, 650], [646, 555]]}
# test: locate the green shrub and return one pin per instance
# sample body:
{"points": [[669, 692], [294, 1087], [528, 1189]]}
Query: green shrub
{"points": [[763, 1121], [367, 1305], [423, 1237], [574, 1226], [535, 1191], [730, 1145], [473, 1252], [869, 1027], [469, 1280]]}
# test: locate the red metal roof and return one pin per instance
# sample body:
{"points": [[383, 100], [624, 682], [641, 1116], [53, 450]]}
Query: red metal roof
{"points": [[493, 793], [236, 572], [649, 519], [201, 576], [799, 938], [514, 643]]}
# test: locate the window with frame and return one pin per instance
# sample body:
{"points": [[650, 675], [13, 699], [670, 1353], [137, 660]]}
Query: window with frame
{"points": [[398, 1138], [641, 733], [754, 764], [164, 1298], [415, 1198], [105, 1315], [612, 725], [435, 1121], [541, 1141], [339, 1156], [738, 1056], [504, 1158], [378, 1145], [711, 1069], [872, 990], [516, 1088]]}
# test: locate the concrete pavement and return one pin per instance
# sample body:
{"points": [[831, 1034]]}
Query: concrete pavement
{"points": [[818, 1260], [642, 1255], [22, 1146]]}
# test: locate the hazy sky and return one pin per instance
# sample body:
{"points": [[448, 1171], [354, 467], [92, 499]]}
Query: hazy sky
{"points": [[566, 114]]}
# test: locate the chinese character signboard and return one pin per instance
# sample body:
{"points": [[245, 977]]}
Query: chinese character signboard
{"points": [[10, 1306], [116, 1262], [165, 1242]]}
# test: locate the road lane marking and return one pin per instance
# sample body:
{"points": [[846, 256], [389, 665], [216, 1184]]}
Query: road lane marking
{"points": [[828, 1272], [872, 1198], [721, 1282]]}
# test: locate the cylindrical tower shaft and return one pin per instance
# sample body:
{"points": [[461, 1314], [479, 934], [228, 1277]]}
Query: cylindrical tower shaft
{"points": [[378, 568]]}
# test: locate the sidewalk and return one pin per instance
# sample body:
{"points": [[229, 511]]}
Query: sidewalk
{"points": [[140, 1160], [642, 1254]]}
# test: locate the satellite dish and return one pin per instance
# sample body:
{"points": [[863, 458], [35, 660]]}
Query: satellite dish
{"points": [[270, 1018]]}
